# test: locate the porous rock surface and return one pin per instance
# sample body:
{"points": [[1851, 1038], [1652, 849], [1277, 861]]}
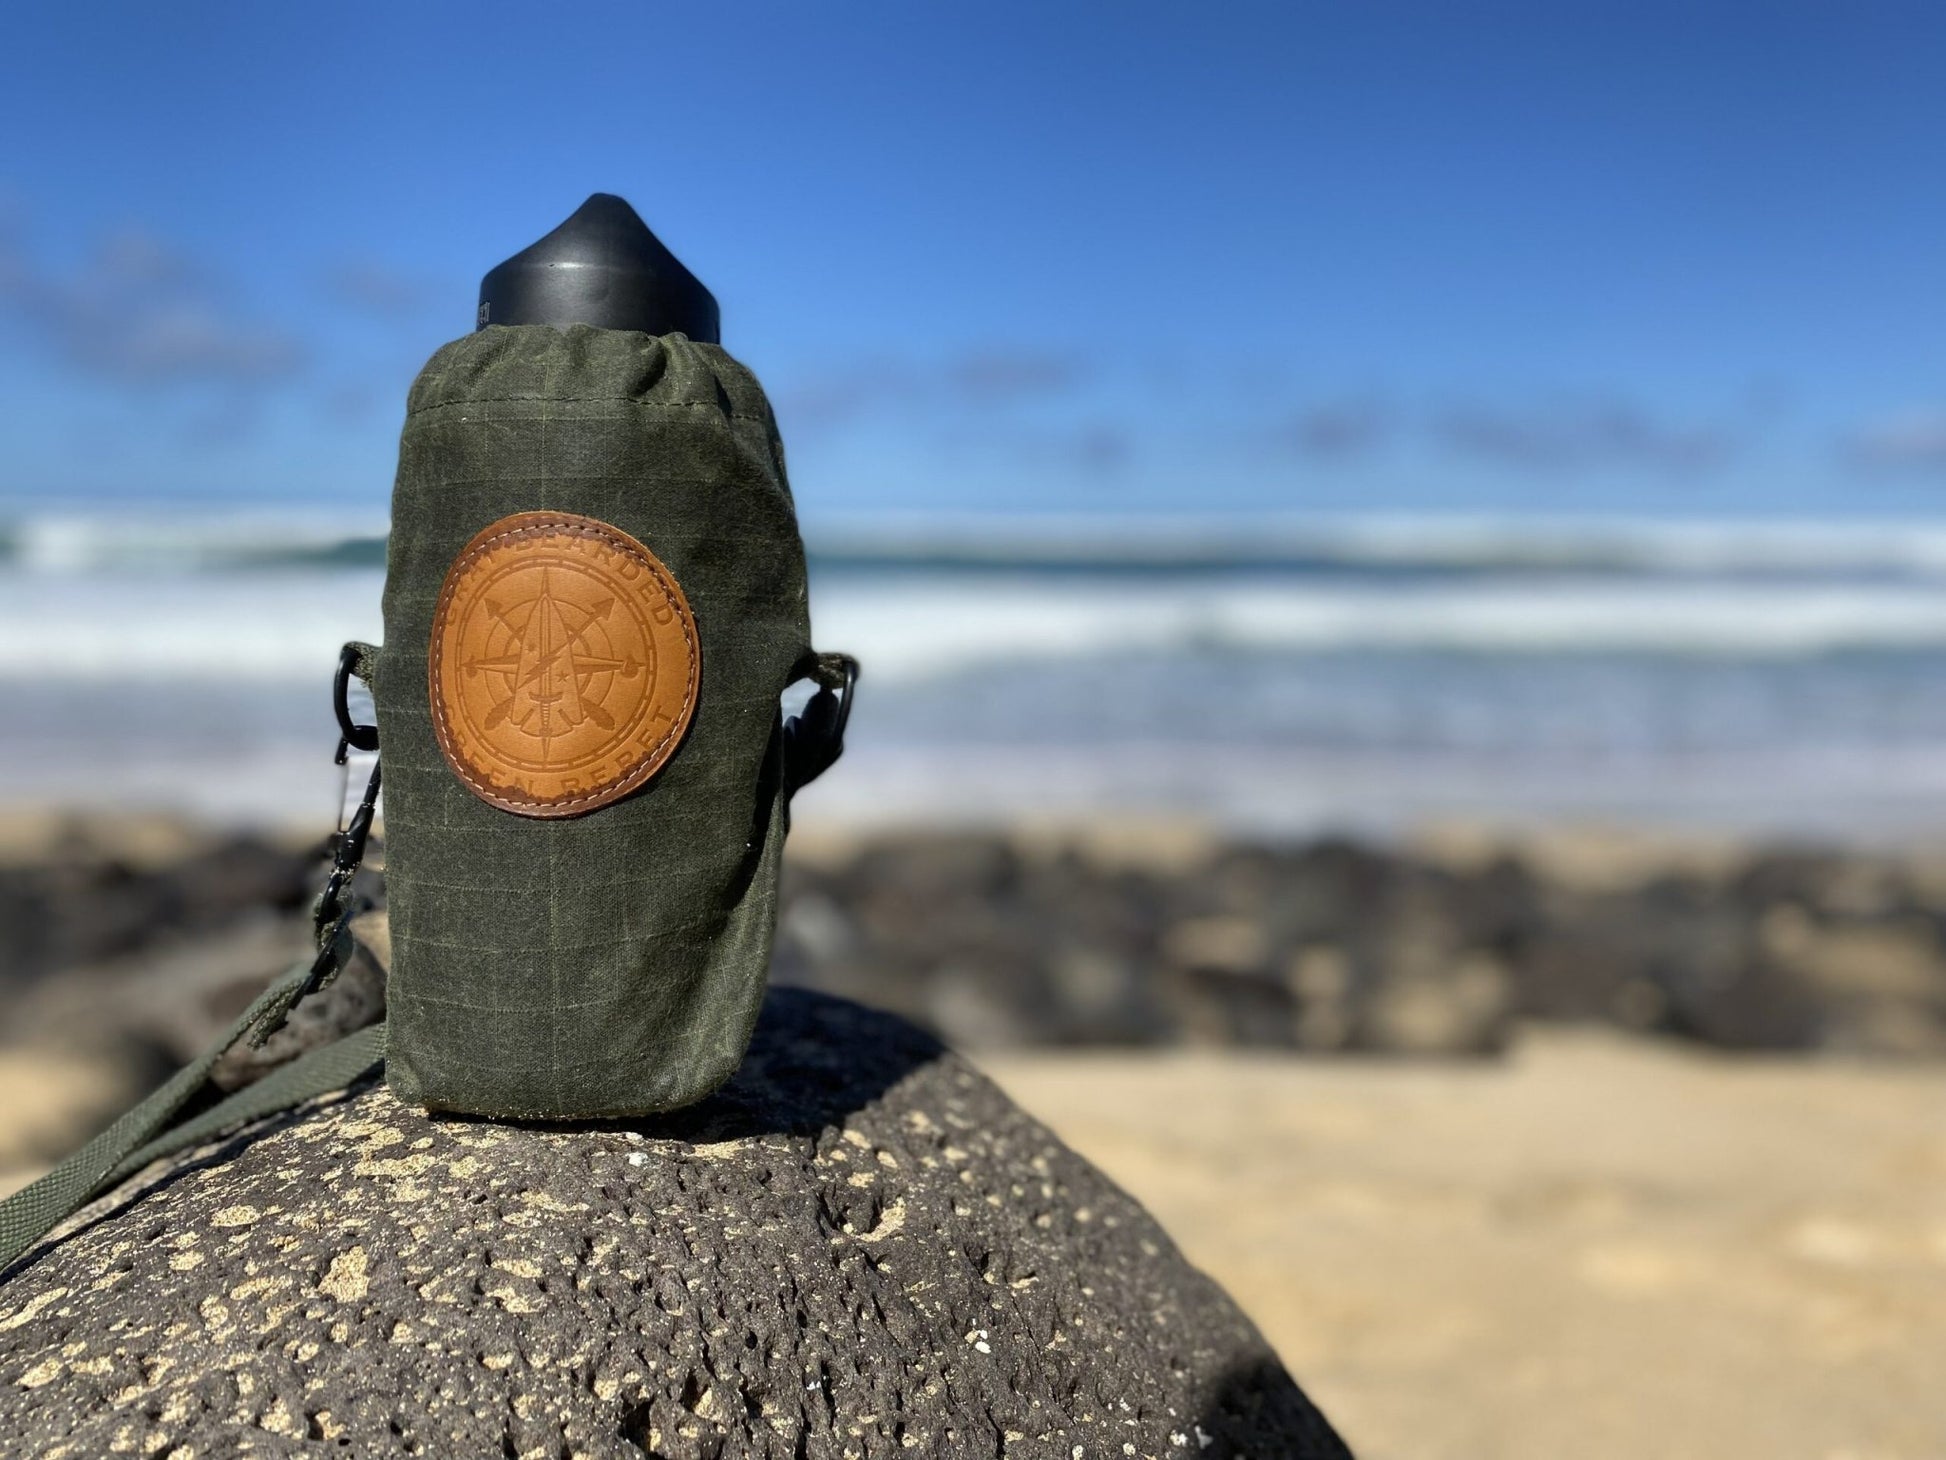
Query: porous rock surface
{"points": [[859, 1247]]}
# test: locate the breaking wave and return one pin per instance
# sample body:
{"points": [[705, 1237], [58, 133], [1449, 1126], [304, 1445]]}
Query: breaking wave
{"points": [[1289, 675], [915, 628], [202, 540], [283, 625]]}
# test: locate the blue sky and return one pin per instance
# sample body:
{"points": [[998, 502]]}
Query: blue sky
{"points": [[1674, 259]]}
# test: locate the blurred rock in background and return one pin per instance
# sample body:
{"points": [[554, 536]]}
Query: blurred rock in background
{"points": [[144, 938], [1332, 946]]}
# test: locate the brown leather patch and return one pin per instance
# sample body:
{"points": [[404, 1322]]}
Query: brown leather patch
{"points": [[564, 664]]}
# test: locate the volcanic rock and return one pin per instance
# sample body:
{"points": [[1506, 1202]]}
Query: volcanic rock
{"points": [[859, 1247]]}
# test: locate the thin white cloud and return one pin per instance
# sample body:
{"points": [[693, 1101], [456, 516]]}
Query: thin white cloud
{"points": [[1581, 437], [377, 289], [142, 312], [1912, 440]]}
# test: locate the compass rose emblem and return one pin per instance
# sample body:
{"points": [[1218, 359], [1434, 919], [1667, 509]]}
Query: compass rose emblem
{"points": [[549, 656], [563, 664]]}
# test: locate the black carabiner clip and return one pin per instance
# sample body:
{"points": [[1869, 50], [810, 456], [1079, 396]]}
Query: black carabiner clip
{"points": [[815, 737], [351, 735]]}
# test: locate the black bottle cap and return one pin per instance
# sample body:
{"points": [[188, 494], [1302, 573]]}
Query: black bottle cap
{"points": [[602, 267]]}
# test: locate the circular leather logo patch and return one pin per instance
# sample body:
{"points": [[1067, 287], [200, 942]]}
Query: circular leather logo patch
{"points": [[564, 664]]}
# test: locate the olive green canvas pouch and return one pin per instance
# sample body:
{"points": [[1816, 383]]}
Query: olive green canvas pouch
{"points": [[606, 955], [608, 962]]}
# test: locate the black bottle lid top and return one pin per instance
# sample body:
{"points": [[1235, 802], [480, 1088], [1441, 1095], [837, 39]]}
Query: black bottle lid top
{"points": [[602, 267]]}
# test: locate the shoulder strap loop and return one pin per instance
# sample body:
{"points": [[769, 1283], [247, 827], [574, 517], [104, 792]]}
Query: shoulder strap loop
{"points": [[143, 1134]]}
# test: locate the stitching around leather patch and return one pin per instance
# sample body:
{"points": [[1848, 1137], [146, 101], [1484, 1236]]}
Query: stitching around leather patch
{"points": [[564, 664]]}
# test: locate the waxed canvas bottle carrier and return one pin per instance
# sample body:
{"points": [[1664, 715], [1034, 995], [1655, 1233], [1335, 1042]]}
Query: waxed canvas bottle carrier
{"points": [[594, 600]]}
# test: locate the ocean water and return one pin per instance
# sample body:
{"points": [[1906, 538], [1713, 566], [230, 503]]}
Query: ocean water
{"points": [[1287, 677]]}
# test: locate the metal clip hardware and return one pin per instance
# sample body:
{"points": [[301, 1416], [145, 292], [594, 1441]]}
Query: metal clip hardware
{"points": [[814, 738], [351, 736]]}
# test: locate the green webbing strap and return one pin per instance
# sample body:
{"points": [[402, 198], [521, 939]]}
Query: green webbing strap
{"points": [[144, 1133], [319, 1072]]}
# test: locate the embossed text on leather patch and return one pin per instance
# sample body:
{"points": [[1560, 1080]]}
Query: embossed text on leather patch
{"points": [[564, 664]]}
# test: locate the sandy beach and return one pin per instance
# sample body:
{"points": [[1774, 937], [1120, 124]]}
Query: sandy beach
{"points": [[1601, 1247]]}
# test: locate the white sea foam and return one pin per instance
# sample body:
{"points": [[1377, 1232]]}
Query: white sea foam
{"points": [[179, 541], [1387, 541], [915, 628], [134, 625], [262, 625]]}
